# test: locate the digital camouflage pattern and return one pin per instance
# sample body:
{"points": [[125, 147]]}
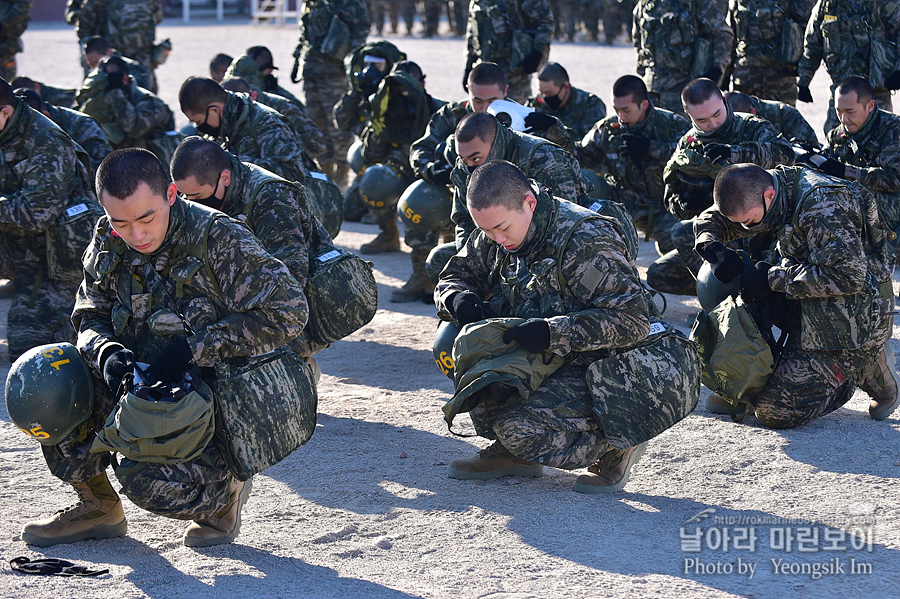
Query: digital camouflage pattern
{"points": [[768, 36], [14, 15], [637, 183], [248, 69], [665, 34], [43, 175], [786, 119], [86, 132], [581, 112], [833, 256], [312, 139], [504, 32], [872, 155], [128, 25]]}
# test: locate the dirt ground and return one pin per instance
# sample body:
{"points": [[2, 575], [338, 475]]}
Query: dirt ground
{"points": [[366, 510]]}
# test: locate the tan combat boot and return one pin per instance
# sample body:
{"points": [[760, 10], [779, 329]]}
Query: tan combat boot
{"points": [[388, 239], [224, 527], [611, 471], [493, 462], [881, 382], [419, 287], [97, 515]]}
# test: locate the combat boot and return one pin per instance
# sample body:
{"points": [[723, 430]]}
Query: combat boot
{"points": [[224, 527], [717, 405], [97, 515], [419, 287], [388, 239], [881, 382], [611, 471], [493, 462]]}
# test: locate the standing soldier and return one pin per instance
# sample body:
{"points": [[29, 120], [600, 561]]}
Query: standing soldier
{"points": [[768, 44], [128, 25], [680, 40], [14, 16], [515, 35], [328, 32], [787, 120], [578, 110]]}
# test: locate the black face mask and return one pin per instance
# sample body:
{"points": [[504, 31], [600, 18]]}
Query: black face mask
{"points": [[402, 108], [206, 129], [553, 102], [211, 200]]}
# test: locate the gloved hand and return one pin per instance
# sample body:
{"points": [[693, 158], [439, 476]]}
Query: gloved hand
{"points": [[470, 62], [635, 145], [726, 263], [171, 363], [893, 81], [533, 335], [116, 367], [296, 68], [538, 122], [271, 82], [803, 94], [717, 153], [466, 308], [755, 283], [833, 167], [439, 172], [531, 62], [714, 73], [115, 80]]}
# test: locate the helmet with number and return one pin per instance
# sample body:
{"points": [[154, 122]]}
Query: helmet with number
{"points": [[381, 186], [711, 291], [355, 158], [425, 206], [49, 392], [443, 346]]}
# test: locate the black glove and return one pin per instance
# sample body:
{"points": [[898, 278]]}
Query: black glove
{"points": [[635, 145], [271, 83], [755, 283], [714, 73], [538, 122], [533, 335], [803, 94], [531, 62], [466, 308], [893, 81], [117, 366], [833, 167], [51, 566], [171, 363], [470, 62], [726, 263], [439, 172], [115, 80], [717, 153], [296, 68]]}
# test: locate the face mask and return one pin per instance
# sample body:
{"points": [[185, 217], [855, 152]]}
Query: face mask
{"points": [[369, 78], [211, 199], [748, 227], [402, 108], [207, 129], [553, 102]]}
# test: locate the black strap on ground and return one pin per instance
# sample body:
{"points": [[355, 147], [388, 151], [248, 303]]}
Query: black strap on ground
{"points": [[51, 566]]}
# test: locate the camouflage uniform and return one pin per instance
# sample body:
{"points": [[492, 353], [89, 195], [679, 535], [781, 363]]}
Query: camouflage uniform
{"points": [[666, 34], [768, 45], [637, 183], [600, 307], [14, 16], [504, 32], [309, 135], [752, 139], [834, 258], [85, 131], [247, 68], [787, 120], [581, 112], [143, 75], [42, 177], [844, 33], [252, 306], [58, 96], [128, 25], [324, 79]]}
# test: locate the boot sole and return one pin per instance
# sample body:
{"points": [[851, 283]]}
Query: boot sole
{"points": [[104, 531], [529, 471], [632, 460], [213, 541]]}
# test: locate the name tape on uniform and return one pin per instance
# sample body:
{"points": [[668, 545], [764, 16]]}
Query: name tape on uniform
{"points": [[76, 210]]}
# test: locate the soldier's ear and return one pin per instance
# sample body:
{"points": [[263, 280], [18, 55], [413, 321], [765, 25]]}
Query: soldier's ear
{"points": [[226, 178], [171, 194]]}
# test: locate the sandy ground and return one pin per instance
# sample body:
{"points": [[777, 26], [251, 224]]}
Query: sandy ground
{"points": [[365, 508]]}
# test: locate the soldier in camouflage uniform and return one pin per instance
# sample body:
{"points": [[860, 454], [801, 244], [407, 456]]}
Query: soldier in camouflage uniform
{"points": [[718, 137], [245, 303], [631, 148], [128, 25], [833, 257], [14, 15], [218, 65], [854, 37], [257, 68], [515, 34], [95, 48], [322, 69], [768, 38], [596, 305], [58, 96], [578, 110], [787, 120], [679, 40]]}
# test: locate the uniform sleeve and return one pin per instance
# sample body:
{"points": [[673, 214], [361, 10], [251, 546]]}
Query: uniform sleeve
{"points": [[355, 14], [713, 27], [421, 152], [710, 226], [559, 172], [538, 20], [590, 151], [765, 147], [90, 18], [279, 149], [813, 45], [468, 270], [95, 142], [139, 118], [282, 221], [15, 18], [796, 126], [882, 175]]}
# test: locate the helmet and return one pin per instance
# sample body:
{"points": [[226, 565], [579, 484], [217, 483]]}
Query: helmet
{"points": [[510, 114], [380, 186], [355, 157], [711, 291], [425, 206], [443, 346], [601, 188], [49, 392]]}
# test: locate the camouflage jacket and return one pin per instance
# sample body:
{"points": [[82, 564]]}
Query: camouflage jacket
{"points": [[635, 181], [128, 25], [58, 96], [309, 135], [443, 125], [752, 139], [130, 116], [581, 112], [237, 299], [85, 131], [142, 74], [872, 155], [505, 31], [546, 163], [14, 15], [854, 37], [769, 33], [315, 21], [787, 120], [598, 303], [666, 33], [42, 173], [832, 254], [247, 69]]}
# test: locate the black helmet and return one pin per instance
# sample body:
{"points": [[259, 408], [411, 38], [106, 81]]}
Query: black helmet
{"points": [[443, 346]]}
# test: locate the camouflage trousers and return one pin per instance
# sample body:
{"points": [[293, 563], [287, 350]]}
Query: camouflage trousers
{"points": [[8, 67], [519, 87], [555, 426], [438, 259], [40, 311], [431, 16], [458, 15], [882, 101], [321, 96], [676, 272], [809, 384], [185, 491], [670, 99], [768, 84]]}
